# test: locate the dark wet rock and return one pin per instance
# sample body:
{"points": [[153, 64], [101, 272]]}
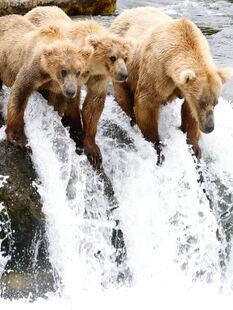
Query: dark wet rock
{"points": [[20, 284], [118, 134], [22, 227], [71, 7]]}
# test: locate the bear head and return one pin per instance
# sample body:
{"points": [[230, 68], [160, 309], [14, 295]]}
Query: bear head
{"points": [[201, 89], [111, 55], [65, 63]]}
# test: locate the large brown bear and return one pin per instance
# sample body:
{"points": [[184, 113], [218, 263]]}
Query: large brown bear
{"points": [[111, 54], [33, 59], [171, 59]]}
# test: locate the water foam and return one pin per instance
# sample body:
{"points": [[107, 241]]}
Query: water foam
{"points": [[169, 227]]}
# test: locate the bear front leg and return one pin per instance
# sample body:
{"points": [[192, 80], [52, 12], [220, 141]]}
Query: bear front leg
{"points": [[190, 126], [15, 123], [125, 99], [72, 118], [91, 112], [147, 116], [22, 88]]}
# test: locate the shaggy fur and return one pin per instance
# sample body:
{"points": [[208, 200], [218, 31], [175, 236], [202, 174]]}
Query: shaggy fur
{"points": [[171, 59], [111, 54], [36, 59]]}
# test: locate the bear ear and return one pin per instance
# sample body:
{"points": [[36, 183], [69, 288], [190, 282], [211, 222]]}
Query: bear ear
{"points": [[87, 52], [225, 73], [51, 30], [52, 51], [186, 76], [93, 40]]}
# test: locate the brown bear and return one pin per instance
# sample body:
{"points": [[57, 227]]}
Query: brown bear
{"points": [[32, 59], [171, 59], [111, 54]]}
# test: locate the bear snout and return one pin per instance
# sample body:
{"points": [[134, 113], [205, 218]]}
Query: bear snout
{"points": [[206, 121], [70, 93], [122, 76], [208, 125], [209, 128]]}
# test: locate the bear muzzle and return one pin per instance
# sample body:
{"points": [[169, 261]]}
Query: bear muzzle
{"points": [[69, 87], [209, 128], [122, 76], [70, 93], [208, 125]]}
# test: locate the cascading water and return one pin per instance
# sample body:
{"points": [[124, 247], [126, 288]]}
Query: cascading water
{"points": [[176, 218], [168, 224]]}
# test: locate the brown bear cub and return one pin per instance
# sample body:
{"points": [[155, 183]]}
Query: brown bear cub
{"points": [[111, 54], [171, 59], [36, 59]]}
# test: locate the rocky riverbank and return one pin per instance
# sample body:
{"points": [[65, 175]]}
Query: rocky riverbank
{"points": [[73, 7]]}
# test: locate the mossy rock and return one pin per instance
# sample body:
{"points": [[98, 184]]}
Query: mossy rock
{"points": [[71, 7], [22, 227]]}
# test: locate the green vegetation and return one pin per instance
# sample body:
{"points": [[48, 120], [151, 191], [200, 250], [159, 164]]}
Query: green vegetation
{"points": [[208, 31]]}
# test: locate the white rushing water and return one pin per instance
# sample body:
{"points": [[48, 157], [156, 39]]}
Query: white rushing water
{"points": [[173, 235], [173, 254]]}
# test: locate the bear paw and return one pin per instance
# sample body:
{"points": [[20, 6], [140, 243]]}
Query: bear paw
{"points": [[197, 151], [132, 122], [18, 139], [94, 155], [77, 137]]}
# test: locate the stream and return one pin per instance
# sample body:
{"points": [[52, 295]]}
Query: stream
{"points": [[176, 219]]}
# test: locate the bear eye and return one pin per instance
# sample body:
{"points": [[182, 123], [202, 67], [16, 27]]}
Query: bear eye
{"points": [[78, 73], [126, 58], [63, 72], [113, 58], [203, 104]]}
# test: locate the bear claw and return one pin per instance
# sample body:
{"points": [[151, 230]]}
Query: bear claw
{"points": [[78, 139], [93, 155], [25, 148], [95, 160], [19, 140], [78, 146], [197, 151], [132, 122]]}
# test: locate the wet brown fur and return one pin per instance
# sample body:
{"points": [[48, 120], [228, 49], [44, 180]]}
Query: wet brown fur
{"points": [[171, 59], [96, 77], [32, 59]]}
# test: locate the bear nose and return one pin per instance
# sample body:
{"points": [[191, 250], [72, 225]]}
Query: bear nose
{"points": [[70, 93], [209, 128], [123, 76]]}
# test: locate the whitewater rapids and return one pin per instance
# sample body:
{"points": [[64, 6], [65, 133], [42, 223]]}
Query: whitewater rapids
{"points": [[169, 226]]}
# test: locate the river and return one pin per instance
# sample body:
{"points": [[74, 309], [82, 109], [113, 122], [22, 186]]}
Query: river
{"points": [[177, 230]]}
